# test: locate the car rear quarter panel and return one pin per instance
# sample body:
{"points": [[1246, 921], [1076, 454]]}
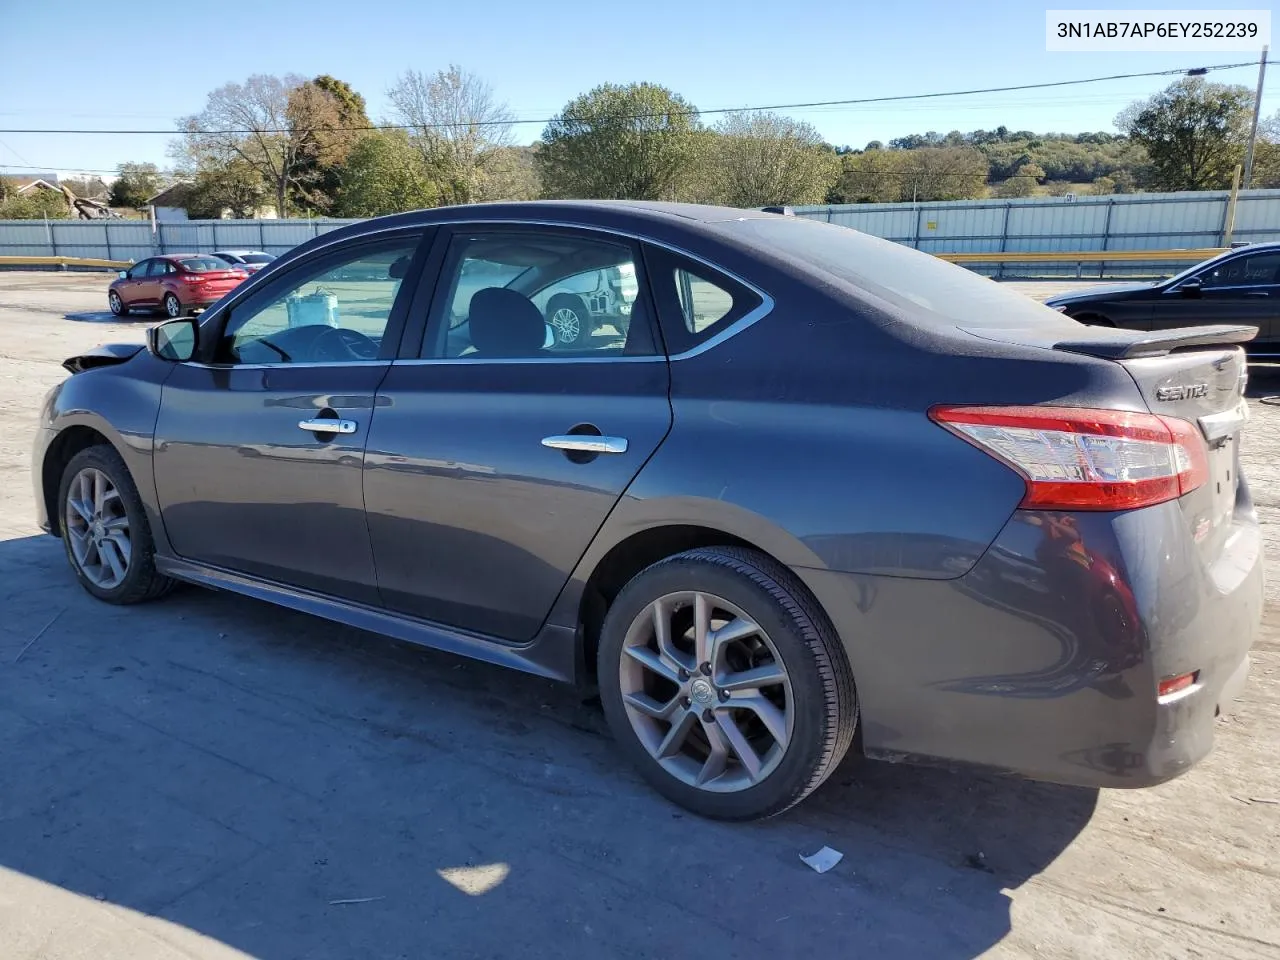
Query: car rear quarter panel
{"points": [[120, 402]]}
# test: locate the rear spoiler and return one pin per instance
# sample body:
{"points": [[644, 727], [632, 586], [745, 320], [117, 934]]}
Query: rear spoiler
{"points": [[1111, 344]]}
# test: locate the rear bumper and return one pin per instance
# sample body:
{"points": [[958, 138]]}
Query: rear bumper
{"points": [[1045, 658]]}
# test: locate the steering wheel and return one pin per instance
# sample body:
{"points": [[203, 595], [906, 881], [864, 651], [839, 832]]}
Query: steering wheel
{"points": [[339, 343]]}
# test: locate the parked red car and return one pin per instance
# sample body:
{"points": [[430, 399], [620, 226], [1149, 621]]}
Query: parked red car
{"points": [[176, 283]]}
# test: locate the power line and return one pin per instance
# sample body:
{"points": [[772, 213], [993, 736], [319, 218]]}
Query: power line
{"points": [[670, 113]]}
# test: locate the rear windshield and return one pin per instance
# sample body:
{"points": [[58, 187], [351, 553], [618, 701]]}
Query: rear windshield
{"points": [[935, 292], [257, 258], [203, 264]]}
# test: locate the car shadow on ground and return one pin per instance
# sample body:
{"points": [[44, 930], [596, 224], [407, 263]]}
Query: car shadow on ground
{"points": [[106, 316], [238, 770]]}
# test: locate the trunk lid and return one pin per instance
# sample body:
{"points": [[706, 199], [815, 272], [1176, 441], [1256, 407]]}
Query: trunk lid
{"points": [[1196, 374]]}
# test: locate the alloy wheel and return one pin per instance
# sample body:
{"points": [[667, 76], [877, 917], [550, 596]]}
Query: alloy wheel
{"points": [[706, 692], [113, 300], [98, 529], [568, 327], [173, 306]]}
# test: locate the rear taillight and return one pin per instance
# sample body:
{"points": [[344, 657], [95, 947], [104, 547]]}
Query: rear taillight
{"points": [[194, 278], [1075, 458]]}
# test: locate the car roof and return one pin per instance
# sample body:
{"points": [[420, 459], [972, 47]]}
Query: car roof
{"points": [[239, 253]]}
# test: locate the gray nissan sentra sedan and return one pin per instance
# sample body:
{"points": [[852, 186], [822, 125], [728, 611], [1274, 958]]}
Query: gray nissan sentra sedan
{"points": [[815, 485]]}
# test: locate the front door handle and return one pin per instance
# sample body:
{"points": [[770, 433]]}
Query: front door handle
{"points": [[328, 425], [586, 443]]}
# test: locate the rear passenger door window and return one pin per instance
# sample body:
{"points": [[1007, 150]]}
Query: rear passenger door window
{"points": [[696, 302], [538, 294]]}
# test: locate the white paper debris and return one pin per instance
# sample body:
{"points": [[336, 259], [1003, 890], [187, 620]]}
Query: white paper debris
{"points": [[823, 860]]}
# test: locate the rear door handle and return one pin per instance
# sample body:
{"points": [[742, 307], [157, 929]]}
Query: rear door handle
{"points": [[328, 425], [586, 443]]}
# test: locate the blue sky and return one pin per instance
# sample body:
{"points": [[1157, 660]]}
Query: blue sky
{"points": [[157, 61]]}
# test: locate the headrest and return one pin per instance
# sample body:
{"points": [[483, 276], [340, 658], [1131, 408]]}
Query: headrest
{"points": [[506, 324]]}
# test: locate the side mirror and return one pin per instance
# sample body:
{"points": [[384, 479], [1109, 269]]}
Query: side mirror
{"points": [[1190, 288], [123, 274], [173, 340]]}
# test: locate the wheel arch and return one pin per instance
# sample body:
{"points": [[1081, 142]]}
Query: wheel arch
{"points": [[613, 560], [69, 442]]}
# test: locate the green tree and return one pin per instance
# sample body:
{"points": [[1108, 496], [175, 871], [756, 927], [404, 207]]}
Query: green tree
{"points": [[37, 204], [456, 125], [1104, 185], [1193, 131], [1022, 183], [510, 174], [871, 177], [234, 189], [943, 173], [384, 173], [134, 184], [634, 142], [766, 158], [329, 113]]}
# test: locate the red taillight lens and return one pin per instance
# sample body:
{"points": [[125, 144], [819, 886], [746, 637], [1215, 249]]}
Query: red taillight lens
{"points": [[1172, 685], [194, 278], [1075, 458]]}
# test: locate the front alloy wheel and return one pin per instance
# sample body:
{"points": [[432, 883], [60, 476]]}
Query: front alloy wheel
{"points": [[98, 529], [725, 683]]}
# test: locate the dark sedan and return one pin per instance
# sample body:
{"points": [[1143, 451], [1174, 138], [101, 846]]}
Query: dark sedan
{"points": [[1239, 286], [818, 484]]}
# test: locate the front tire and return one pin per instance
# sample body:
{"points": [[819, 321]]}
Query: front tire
{"points": [[105, 530], [172, 305], [724, 684], [117, 305], [570, 320]]}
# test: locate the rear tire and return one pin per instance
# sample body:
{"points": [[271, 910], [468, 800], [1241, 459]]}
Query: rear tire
{"points": [[172, 306], [105, 531], [778, 640]]}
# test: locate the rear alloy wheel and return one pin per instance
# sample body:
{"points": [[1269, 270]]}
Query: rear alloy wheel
{"points": [[104, 528], [172, 305], [724, 684], [116, 304]]}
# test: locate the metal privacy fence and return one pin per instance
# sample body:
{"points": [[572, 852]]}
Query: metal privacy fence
{"points": [[135, 240], [1139, 221], [1144, 221]]}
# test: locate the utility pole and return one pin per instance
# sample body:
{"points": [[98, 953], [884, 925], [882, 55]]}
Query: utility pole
{"points": [[1257, 107]]}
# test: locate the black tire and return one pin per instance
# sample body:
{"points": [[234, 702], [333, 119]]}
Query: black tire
{"points": [[568, 339], [116, 305], [1094, 320], [825, 703], [141, 582], [172, 306]]}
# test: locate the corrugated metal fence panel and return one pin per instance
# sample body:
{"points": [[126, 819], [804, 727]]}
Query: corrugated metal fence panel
{"points": [[1258, 215], [1143, 221]]}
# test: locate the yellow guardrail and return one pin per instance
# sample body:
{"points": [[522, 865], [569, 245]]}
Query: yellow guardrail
{"points": [[1086, 256], [65, 262]]}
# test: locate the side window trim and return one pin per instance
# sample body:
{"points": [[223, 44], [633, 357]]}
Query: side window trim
{"points": [[327, 256], [436, 321]]}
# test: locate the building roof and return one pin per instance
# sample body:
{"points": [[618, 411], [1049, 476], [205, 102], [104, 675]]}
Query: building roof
{"points": [[174, 192], [40, 183]]}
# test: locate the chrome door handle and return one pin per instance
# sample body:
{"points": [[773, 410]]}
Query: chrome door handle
{"points": [[586, 443], [328, 425]]}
